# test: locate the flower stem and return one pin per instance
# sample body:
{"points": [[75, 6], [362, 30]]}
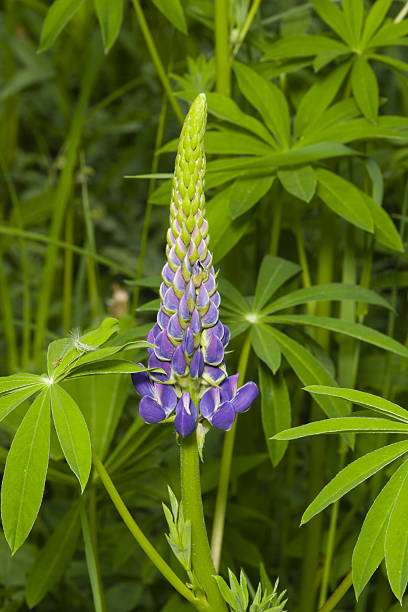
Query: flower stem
{"points": [[222, 49], [156, 60], [138, 534], [338, 594], [225, 470], [203, 567]]}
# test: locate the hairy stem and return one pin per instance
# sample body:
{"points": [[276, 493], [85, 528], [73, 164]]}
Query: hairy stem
{"points": [[202, 564], [225, 470]]}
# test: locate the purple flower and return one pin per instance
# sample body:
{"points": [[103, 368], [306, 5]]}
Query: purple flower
{"points": [[219, 406], [158, 400]]}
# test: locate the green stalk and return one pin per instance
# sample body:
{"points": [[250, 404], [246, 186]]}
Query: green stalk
{"points": [[157, 61], [276, 227], [318, 446], [8, 322], [139, 536], [338, 594], [222, 48], [68, 272], [202, 564], [149, 205], [62, 196], [92, 563], [248, 22], [225, 469]]}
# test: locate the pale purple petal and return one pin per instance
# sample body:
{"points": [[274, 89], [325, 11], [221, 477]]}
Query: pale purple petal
{"points": [[170, 301], [167, 274], [186, 416], [197, 364], [203, 298], [142, 382], [224, 417], [213, 375], [214, 353], [178, 362], [188, 342], [183, 310], [209, 402], [162, 319], [216, 299], [190, 295], [227, 336], [179, 284], [172, 256], [166, 397], [211, 316], [229, 388], [150, 411], [174, 328], [195, 322], [218, 330], [162, 291], [165, 348], [210, 284], [154, 362], [245, 396]]}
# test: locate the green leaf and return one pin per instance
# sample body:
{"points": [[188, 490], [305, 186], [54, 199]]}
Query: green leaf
{"points": [[54, 557], [385, 231], [72, 432], [396, 543], [57, 17], [379, 404], [332, 291], [56, 350], [374, 19], [266, 347], [354, 15], [344, 199], [118, 366], [14, 382], [12, 400], [173, 11], [338, 425], [246, 192], [232, 298], [303, 45], [273, 273], [334, 17], [300, 182], [310, 371], [365, 88], [102, 399], [268, 100], [275, 411], [25, 471], [318, 98], [110, 19], [232, 142], [349, 328], [92, 562], [389, 34], [390, 61], [354, 474], [369, 549]]}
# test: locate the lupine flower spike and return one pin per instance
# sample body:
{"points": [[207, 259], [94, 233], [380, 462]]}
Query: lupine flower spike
{"points": [[188, 336]]}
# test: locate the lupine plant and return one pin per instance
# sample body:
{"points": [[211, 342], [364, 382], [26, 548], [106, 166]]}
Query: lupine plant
{"points": [[283, 289]]}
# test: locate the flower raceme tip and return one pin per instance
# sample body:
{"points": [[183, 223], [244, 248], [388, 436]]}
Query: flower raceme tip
{"points": [[188, 337]]}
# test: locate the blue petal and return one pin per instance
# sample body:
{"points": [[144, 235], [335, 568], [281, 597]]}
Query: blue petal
{"points": [[197, 364], [174, 328], [188, 342], [142, 382], [165, 348], [178, 362], [211, 316], [186, 416], [195, 322], [226, 336], [214, 353], [209, 402], [158, 363], [150, 411], [229, 388], [245, 396], [166, 397], [224, 417]]}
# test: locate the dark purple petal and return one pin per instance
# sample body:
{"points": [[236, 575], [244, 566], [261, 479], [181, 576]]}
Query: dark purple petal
{"points": [[186, 416], [156, 330], [154, 362], [150, 338], [245, 396], [170, 301], [162, 319], [229, 388], [166, 397], [195, 322], [227, 336], [150, 411], [167, 274], [178, 283], [188, 342], [224, 417], [184, 312], [197, 364], [209, 402], [214, 353], [178, 362], [165, 348], [211, 316], [142, 382], [203, 298], [213, 375], [174, 328]]}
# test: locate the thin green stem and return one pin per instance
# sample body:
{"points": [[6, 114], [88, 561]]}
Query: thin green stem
{"points": [[138, 534], [8, 320], [403, 12], [63, 194], [276, 227], [68, 271], [157, 61], [92, 563], [202, 564], [225, 470], [248, 22], [338, 594], [222, 47], [149, 205]]}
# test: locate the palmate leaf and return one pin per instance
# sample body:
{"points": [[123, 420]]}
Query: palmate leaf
{"points": [[24, 475], [58, 15], [345, 424], [246, 192], [374, 19], [8, 384], [334, 17], [365, 88], [303, 45], [275, 411], [173, 11], [354, 474], [300, 182], [273, 273], [266, 347], [396, 543], [12, 400], [110, 19], [369, 549]]}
